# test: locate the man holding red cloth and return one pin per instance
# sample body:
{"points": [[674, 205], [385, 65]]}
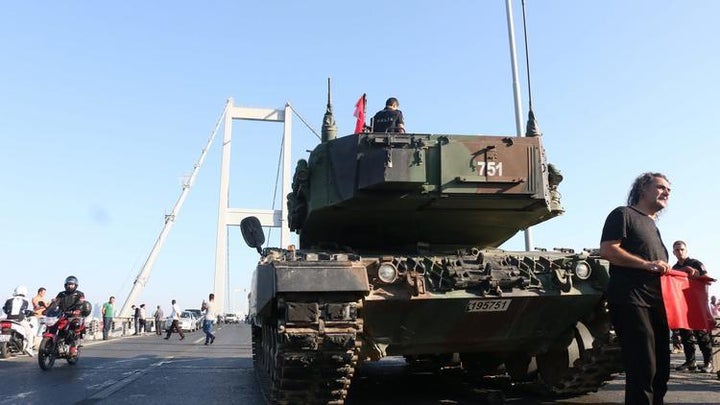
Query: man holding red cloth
{"points": [[693, 268], [632, 244]]}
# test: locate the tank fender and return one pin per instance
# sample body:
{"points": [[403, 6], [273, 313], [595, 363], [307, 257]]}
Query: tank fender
{"points": [[321, 278]]}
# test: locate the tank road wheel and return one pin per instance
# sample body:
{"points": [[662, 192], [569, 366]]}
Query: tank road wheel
{"points": [[583, 366], [46, 354]]}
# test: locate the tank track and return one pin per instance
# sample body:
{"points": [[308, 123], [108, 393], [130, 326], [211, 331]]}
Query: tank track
{"points": [[590, 372], [308, 362]]}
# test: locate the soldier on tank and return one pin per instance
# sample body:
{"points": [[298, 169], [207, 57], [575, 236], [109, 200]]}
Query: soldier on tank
{"points": [[389, 119]]}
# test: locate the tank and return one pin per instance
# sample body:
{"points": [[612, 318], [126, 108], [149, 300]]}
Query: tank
{"points": [[398, 256]]}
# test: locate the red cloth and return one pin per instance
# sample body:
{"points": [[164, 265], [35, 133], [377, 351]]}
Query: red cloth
{"points": [[686, 301], [360, 114]]}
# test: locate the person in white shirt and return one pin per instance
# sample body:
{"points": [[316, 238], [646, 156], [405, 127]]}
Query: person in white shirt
{"points": [[210, 316], [175, 316], [17, 308]]}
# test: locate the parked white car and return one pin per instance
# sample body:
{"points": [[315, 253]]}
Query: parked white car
{"points": [[187, 322], [199, 317]]}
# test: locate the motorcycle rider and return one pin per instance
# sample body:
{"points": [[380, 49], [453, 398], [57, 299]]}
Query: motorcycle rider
{"points": [[16, 308], [71, 302]]}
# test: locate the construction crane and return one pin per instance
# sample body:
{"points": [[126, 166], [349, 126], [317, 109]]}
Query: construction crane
{"points": [[144, 274]]}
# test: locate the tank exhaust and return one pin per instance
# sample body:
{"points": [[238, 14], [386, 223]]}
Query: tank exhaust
{"points": [[329, 130]]}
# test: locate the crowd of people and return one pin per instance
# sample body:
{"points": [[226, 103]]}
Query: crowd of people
{"points": [[19, 307], [140, 323]]}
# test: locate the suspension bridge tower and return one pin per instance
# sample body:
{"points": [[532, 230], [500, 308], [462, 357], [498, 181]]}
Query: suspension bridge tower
{"points": [[228, 216]]}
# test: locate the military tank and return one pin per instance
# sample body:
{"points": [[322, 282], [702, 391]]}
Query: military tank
{"points": [[398, 256]]}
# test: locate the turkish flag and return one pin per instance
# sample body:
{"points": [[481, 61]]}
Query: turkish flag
{"points": [[360, 114], [686, 301]]}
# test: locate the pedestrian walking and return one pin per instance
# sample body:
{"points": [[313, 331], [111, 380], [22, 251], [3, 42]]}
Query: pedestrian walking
{"points": [[210, 316], [175, 327], [158, 315], [108, 313]]}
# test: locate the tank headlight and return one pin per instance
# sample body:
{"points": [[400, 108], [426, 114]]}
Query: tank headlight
{"points": [[387, 273], [583, 270]]}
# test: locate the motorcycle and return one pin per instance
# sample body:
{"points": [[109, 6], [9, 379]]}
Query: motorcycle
{"points": [[12, 336], [62, 331]]}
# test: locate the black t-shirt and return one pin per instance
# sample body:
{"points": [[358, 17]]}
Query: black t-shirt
{"points": [[694, 263], [388, 120], [638, 235]]}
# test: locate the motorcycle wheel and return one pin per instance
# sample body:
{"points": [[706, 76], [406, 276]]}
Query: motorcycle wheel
{"points": [[46, 354], [4, 350], [72, 360]]}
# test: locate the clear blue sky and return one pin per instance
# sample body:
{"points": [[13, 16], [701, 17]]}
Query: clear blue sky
{"points": [[105, 107]]}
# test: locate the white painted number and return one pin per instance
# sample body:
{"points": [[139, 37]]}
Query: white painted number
{"points": [[488, 305], [489, 168]]}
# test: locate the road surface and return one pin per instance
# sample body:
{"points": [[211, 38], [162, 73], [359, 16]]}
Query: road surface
{"points": [[149, 369]]}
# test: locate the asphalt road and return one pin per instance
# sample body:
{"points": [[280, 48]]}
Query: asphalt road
{"points": [[148, 369]]}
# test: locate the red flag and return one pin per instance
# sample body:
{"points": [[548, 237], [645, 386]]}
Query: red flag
{"points": [[686, 301], [360, 114]]}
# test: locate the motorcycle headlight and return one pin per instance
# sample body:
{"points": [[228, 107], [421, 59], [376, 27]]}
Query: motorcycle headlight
{"points": [[50, 320], [583, 270], [387, 273]]}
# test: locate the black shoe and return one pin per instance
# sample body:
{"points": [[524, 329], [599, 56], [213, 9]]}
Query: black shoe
{"points": [[166, 338], [206, 343], [182, 337], [688, 365], [706, 368], [212, 340]]}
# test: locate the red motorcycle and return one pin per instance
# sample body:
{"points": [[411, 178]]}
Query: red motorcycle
{"points": [[62, 333]]}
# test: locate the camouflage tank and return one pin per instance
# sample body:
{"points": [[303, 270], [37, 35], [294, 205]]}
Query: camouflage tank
{"points": [[398, 256]]}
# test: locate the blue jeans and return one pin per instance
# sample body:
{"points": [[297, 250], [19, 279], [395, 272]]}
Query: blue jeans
{"points": [[107, 325], [207, 328]]}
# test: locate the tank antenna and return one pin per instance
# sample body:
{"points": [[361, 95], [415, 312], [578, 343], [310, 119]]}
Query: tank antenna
{"points": [[532, 128], [329, 130]]}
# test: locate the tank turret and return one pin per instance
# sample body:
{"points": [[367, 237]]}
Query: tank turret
{"points": [[377, 191]]}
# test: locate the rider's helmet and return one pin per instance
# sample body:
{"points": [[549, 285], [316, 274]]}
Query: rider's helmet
{"points": [[20, 290], [71, 284], [85, 308]]}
